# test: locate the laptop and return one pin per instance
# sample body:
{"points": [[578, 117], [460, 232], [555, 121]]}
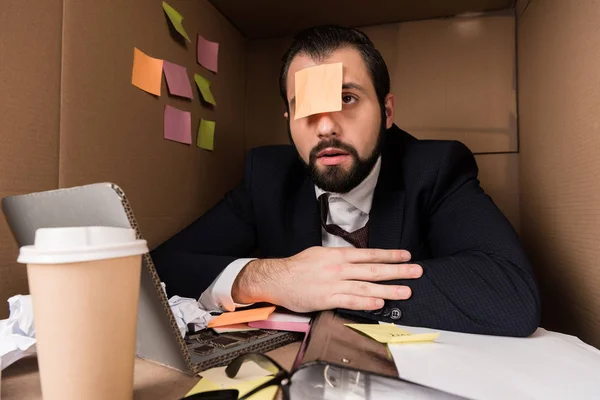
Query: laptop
{"points": [[158, 337]]}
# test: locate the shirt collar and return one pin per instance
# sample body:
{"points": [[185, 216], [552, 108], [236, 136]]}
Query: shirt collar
{"points": [[361, 196]]}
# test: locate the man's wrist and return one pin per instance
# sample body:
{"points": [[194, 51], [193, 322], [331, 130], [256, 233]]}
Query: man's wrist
{"points": [[256, 281], [246, 286]]}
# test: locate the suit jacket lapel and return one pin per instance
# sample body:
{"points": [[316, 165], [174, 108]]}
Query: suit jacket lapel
{"points": [[387, 211]]}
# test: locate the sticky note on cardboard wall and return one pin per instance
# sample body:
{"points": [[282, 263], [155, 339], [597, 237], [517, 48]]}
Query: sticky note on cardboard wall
{"points": [[177, 80], [318, 89], [208, 54], [206, 135], [204, 86], [176, 20], [147, 72], [177, 125]]}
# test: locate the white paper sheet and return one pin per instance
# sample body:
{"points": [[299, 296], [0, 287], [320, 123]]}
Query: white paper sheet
{"points": [[547, 365], [17, 333]]}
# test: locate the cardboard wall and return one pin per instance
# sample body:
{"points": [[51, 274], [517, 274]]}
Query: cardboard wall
{"points": [[559, 93], [29, 115], [118, 134], [70, 115], [453, 79], [273, 18]]}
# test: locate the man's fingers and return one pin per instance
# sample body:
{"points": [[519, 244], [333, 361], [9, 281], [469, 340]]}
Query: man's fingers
{"points": [[380, 272], [368, 289], [352, 302], [353, 255]]}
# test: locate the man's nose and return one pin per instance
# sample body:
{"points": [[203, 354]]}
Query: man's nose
{"points": [[326, 125]]}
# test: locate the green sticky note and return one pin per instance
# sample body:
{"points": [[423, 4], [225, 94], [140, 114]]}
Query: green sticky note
{"points": [[176, 20], [204, 86], [206, 135]]}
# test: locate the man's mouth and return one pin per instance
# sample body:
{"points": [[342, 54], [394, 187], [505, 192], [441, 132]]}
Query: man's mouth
{"points": [[332, 156], [331, 152]]}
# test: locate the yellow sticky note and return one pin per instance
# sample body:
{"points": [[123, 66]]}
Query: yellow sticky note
{"points": [[147, 72], [176, 19], [389, 333], [269, 393], [206, 135], [318, 89], [244, 387], [203, 386], [204, 86], [238, 317]]}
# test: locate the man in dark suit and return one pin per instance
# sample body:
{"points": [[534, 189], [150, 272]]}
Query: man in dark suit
{"points": [[357, 215]]}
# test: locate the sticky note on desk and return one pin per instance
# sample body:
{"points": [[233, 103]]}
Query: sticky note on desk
{"points": [[205, 385], [250, 375], [239, 317], [234, 328], [176, 20], [389, 333], [147, 72], [318, 90], [284, 321], [204, 86]]}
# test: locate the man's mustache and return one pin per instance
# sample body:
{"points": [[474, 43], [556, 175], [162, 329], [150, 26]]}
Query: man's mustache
{"points": [[338, 144]]}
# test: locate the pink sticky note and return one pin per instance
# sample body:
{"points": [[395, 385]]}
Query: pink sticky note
{"points": [[177, 80], [208, 54], [177, 125], [283, 321]]}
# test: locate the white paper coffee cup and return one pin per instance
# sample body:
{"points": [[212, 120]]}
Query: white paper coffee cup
{"points": [[85, 284]]}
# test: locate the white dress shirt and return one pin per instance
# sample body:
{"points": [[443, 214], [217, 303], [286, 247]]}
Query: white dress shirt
{"points": [[350, 211]]}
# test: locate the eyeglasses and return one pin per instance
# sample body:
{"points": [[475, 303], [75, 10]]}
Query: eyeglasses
{"points": [[280, 378], [320, 381]]}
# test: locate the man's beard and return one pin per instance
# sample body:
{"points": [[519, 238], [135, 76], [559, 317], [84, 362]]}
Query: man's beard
{"points": [[334, 178]]}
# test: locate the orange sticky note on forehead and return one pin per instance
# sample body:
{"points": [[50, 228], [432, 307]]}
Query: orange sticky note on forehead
{"points": [[318, 90]]}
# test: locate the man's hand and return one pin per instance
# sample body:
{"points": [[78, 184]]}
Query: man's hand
{"points": [[322, 278]]}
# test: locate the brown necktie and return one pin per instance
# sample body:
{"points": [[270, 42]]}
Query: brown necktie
{"points": [[359, 238]]}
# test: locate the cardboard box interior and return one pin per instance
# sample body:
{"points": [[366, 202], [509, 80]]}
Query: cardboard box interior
{"points": [[70, 115]]}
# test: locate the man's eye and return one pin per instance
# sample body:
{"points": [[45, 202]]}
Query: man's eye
{"points": [[348, 99]]}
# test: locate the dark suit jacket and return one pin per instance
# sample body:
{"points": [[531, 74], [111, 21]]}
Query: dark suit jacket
{"points": [[427, 200]]}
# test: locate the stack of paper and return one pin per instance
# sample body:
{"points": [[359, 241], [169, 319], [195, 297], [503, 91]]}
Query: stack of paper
{"points": [[260, 318], [546, 365], [284, 321]]}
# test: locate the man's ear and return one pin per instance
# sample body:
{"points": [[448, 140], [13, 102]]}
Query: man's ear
{"points": [[286, 115], [389, 103]]}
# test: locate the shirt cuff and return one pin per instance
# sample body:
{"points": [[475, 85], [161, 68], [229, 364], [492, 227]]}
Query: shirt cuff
{"points": [[218, 295]]}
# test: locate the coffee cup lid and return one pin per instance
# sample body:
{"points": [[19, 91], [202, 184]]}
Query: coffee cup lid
{"points": [[79, 244]]}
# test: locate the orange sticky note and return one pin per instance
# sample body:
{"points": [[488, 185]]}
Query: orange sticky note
{"points": [[239, 317], [147, 72], [318, 90]]}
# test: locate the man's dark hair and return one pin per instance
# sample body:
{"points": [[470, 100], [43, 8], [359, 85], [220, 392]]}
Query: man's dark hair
{"points": [[320, 41]]}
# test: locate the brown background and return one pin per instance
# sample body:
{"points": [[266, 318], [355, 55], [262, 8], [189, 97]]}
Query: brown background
{"points": [[559, 97], [70, 115]]}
